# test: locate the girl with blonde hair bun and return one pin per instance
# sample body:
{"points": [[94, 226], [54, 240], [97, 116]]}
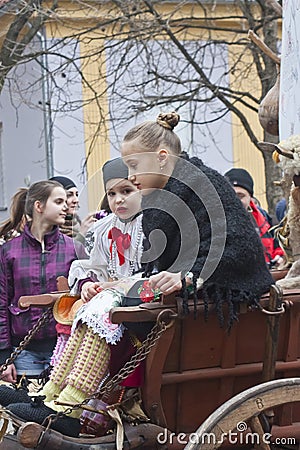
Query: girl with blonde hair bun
{"points": [[204, 235]]}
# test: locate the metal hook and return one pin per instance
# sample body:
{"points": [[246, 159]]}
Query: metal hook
{"points": [[169, 320]]}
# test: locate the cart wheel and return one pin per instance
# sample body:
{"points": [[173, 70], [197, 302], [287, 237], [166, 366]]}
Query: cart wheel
{"points": [[244, 407]]}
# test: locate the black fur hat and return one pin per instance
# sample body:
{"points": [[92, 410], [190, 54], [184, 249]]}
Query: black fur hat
{"points": [[114, 168]]}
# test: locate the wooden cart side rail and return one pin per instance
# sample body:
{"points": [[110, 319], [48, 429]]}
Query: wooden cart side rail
{"points": [[218, 373], [48, 299], [147, 312]]}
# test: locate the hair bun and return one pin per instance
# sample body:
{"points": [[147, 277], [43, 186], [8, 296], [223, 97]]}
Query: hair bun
{"points": [[168, 120]]}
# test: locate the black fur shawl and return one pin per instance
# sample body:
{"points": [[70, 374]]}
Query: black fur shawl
{"points": [[199, 217]]}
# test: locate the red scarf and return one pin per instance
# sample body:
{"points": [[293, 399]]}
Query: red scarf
{"points": [[122, 242]]}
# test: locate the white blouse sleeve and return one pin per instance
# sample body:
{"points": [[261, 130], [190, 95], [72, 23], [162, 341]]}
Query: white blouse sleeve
{"points": [[96, 266]]}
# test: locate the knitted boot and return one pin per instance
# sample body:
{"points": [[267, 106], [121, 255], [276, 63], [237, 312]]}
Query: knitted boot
{"points": [[61, 343], [32, 412], [91, 364], [10, 395], [50, 391], [70, 395], [59, 373], [89, 368]]}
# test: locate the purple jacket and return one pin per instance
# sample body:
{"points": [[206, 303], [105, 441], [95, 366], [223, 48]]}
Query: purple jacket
{"points": [[27, 270]]}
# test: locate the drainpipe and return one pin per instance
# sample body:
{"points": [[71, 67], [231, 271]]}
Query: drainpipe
{"points": [[48, 125]]}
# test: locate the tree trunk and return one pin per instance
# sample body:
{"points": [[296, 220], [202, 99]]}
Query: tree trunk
{"points": [[272, 171]]}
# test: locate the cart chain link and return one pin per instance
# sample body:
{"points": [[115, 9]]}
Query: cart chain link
{"points": [[161, 325], [45, 318]]}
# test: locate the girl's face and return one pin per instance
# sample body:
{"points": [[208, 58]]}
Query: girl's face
{"points": [[72, 200], [124, 198], [145, 168], [55, 210]]}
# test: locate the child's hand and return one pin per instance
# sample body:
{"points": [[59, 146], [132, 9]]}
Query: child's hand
{"points": [[166, 282], [89, 290], [87, 222]]}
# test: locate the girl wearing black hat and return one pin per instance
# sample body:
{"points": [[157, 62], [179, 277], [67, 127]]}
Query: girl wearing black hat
{"points": [[73, 226]]}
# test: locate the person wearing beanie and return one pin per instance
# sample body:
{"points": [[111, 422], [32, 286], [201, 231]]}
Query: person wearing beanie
{"points": [[73, 226], [243, 185], [66, 182], [112, 169], [98, 267]]}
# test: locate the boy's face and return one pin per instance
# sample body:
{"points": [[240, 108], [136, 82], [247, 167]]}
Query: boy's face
{"points": [[243, 195]]}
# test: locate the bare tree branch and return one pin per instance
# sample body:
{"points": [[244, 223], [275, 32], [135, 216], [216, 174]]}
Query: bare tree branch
{"points": [[276, 6], [258, 41], [186, 56]]}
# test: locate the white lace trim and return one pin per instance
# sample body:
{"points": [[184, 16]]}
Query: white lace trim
{"points": [[109, 336], [95, 314]]}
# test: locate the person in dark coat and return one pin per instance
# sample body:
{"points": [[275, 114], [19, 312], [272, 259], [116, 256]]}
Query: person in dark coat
{"points": [[196, 225]]}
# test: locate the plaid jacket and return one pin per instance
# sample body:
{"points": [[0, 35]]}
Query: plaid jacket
{"points": [[27, 270]]}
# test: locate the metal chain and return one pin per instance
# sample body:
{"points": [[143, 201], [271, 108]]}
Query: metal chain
{"points": [[141, 353], [47, 315], [154, 335]]}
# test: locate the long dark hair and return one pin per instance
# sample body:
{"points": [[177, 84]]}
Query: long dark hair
{"points": [[17, 214]]}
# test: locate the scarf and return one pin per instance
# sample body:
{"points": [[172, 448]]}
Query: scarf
{"points": [[203, 228]]}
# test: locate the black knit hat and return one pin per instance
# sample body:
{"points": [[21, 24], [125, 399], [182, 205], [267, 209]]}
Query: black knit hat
{"points": [[65, 182], [241, 178], [114, 168]]}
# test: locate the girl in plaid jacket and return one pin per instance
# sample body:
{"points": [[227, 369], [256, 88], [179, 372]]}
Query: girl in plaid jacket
{"points": [[30, 265]]}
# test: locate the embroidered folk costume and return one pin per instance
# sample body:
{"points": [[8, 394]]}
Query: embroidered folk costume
{"points": [[86, 357], [123, 249]]}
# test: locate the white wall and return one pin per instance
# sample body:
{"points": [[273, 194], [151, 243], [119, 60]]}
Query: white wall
{"points": [[289, 103], [22, 139]]}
